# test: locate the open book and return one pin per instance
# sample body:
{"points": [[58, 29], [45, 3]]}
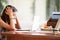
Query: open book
{"points": [[54, 21]]}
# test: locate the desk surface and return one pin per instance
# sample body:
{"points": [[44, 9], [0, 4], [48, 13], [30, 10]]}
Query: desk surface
{"points": [[22, 35], [30, 33]]}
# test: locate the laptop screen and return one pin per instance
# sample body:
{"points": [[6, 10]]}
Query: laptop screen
{"points": [[55, 16]]}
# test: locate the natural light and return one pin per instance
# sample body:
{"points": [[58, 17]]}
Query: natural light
{"points": [[31, 13]]}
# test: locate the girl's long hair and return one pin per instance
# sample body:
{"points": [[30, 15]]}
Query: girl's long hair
{"points": [[4, 16]]}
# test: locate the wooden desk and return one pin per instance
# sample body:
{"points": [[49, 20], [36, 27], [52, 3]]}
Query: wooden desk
{"points": [[18, 35]]}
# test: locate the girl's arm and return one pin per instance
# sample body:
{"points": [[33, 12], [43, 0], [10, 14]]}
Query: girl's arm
{"points": [[10, 12], [5, 25], [17, 25]]}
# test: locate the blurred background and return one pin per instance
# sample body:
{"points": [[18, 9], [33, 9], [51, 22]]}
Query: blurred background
{"points": [[32, 13]]}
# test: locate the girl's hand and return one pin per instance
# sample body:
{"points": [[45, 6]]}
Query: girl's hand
{"points": [[9, 11]]}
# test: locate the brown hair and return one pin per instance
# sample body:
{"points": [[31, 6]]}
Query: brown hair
{"points": [[4, 16]]}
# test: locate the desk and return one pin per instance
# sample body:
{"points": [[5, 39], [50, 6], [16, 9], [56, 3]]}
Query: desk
{"points": [[18, 35]]}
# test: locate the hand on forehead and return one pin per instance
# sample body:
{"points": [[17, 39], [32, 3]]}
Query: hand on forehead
{"points": [[8, 9]]}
